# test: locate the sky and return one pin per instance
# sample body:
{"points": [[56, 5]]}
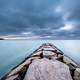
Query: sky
{"points": [[40, 19]]}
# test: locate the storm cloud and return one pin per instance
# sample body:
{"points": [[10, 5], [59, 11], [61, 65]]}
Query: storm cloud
{"points": [[49, 19]]}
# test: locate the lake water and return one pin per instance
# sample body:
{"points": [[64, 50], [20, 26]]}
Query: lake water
{"points": [[12, 52]]}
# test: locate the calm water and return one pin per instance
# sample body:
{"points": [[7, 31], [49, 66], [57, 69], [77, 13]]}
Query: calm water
{"points": [[12, 52]]}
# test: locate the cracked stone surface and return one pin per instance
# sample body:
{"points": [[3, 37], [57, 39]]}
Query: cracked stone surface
{"points": [[44, 69]]}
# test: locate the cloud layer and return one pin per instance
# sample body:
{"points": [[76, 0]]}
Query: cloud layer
{"points": [[40, 19]]}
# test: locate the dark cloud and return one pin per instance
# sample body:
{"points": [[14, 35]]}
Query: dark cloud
{"points": [[18, 15], [72, 8], [38, 17]]}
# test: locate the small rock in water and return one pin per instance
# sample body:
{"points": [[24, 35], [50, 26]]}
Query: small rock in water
{"points": [[44, 69]]}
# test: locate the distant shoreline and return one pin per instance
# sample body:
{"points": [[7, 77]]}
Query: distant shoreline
{"points": [[1, 39]]}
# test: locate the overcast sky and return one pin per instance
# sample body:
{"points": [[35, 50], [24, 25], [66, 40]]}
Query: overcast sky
{"points": [[40, 19]]}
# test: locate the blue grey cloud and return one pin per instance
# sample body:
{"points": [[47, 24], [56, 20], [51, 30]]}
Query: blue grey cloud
{"points": [[72, 8], [40, 18]]}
